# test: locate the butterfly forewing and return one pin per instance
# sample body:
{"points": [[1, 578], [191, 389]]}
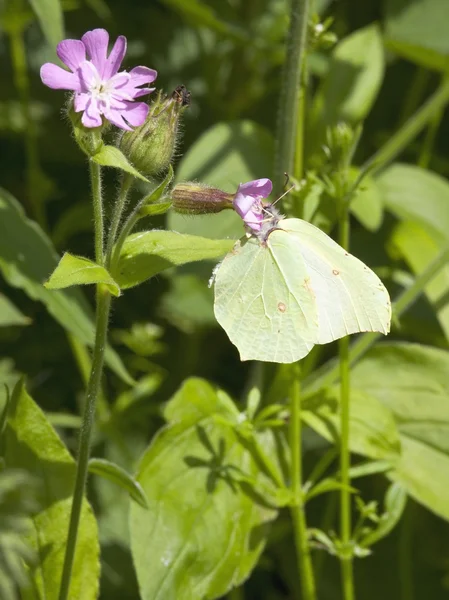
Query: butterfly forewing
{"points": [[264, 302]]}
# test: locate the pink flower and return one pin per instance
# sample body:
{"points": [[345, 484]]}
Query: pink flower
{"points": [[248, 201], [99, 87]]}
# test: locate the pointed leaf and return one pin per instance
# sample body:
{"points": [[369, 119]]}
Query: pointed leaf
{"points": [[10, 315], [31, 444], [110, 156], [395, 503], [148, 253], [77, 270], [151, 204], [414, 385], [26, 259], [114, 473]]}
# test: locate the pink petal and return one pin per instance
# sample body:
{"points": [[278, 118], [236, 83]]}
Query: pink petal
{"points": [[59, 79], [89, 75], [96, 43], [142, 75], [91, 116], [143, 92], [80, 102], [72, 53], [115, 58], [136, 113], [115, 117], [119, 80], [259, 188], [243, 204]]}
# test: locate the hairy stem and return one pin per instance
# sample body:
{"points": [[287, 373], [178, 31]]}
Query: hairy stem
{"points": [[103, 304], [298, 509], [289, 98], [127, 182]]}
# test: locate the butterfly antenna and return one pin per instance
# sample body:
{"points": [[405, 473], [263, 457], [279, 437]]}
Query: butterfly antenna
{"points": [[284, 194]]}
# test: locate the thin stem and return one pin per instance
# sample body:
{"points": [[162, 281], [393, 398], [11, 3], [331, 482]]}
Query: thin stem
{"points": [[127, 181], [103, 305], [95, 178], [93, 389], [299, 150], [22, 83], [128, 226], [405, 550], [298, 509], [327, 376], [431, 133], [345, 457], [288, 107]]}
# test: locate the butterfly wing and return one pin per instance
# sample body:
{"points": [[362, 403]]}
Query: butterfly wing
{"points": [[263, 302], [350, 297]]}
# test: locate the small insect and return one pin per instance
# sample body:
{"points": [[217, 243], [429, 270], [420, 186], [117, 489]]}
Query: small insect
{"points": [[182, 95]]}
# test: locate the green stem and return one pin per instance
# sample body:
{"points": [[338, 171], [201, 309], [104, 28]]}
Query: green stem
{"points": [[402, 138], [405, 558], [95, 178], [22, 83], [93, 389], [327, 376], [431, 133], [288, 107], [103, 305], [299, 150], [128, 226], [127, 181], [345, 457], [298, 509]]}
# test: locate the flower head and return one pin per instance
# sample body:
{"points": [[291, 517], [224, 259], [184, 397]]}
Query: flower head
{"points": [[248, 202], [100, 89]]}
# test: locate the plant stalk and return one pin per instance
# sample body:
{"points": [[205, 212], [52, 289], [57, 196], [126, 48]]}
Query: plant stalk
{"points": [[103, 305], [290, 92], [298, 509], [346, 559], [127, 182]]}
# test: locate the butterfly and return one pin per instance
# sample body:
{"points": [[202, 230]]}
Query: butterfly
{"points": [[283, 290]]}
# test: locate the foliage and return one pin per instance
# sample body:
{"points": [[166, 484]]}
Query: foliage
{"points": [[190, 492]]}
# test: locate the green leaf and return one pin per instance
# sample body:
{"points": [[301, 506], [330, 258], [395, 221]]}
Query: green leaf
{"points": [[418, 31], [198, 13], [192, 474], [51, 20], [158, 208], [395, 503], [152, 204], [110, 156], [367, 205], [327, 485], [415, 194], [373, 431], [147, 253], [27, 258], [225, 155], [31, 444], [10, 315], [76, 270], [419, 247], [411, 381], [353, 81], [114, 473]]}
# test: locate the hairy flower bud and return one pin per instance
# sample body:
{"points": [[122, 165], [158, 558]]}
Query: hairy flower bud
{"points": [[150, 147], [199, 199]]}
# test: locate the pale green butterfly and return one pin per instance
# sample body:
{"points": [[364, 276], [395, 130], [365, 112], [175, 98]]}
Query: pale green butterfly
{"points": [[290, 286]]}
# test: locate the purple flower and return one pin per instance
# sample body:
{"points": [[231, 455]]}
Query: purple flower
{"points": [[248, 201], [100, 89]]}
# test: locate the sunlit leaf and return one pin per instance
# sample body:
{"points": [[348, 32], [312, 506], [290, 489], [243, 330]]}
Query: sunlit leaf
{"points": [[50, 15], [118, 475], [110, 156], [77, 270], [205, 528], [147, 253]]}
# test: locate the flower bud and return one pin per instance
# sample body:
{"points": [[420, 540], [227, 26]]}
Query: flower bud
{"points": [[199, 199], [150, 147]]}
